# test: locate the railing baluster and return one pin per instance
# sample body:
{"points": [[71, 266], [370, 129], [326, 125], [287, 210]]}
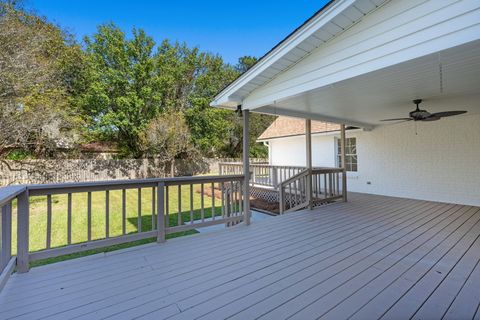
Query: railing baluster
{"points": [[290, 195], [139, 210], [23, 210], [107, 214], [69, 218], [232, 204], [179, 213], [234, 199], [228, 207], [167, 205], [124, 211], [49, 221], [213, 202], [161, 212], [191, 203], [202, 202], [325, 185], [240, 197], [338, 183], [89, 216], [222, 187], [6, 230], [153, 208]]}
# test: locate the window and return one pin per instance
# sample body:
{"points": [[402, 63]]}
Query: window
{"points": [[350, 154]]}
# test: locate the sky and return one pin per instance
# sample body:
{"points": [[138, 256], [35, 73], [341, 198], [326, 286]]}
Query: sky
{"points": [[230, 28]]}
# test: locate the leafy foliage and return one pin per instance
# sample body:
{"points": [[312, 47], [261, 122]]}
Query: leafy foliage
{"points": [[40, 66], [150, 100]]}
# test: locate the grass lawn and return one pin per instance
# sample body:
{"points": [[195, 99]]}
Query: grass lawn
{"points": [[38, 218]]}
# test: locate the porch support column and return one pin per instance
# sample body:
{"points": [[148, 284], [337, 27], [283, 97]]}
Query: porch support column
{"points": [[343, 160], [246, 165], [308, 141]]}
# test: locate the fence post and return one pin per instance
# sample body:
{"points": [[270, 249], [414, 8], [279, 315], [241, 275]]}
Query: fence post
{"points": [[161, 212], [22, 232]]}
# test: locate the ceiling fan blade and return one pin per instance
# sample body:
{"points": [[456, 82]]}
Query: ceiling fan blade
{"points": [[398, 119], [447, 113], [431, 118]]}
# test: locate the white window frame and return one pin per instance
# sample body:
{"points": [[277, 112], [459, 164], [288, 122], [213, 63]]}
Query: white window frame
{"points": [[337, 152]]}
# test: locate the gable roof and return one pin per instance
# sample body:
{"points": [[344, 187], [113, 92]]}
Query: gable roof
{"points": [[331, 20], [287, 127]]}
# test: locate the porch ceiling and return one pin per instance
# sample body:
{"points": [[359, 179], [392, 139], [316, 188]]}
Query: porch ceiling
{"points": [[448, 80]]}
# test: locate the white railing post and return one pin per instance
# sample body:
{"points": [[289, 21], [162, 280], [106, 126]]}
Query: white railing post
{"points": [[343, 160], [161, 212], [22, 232], [246, 165]]}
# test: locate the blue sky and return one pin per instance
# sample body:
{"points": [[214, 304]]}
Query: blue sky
{"points": [[230, 28]]}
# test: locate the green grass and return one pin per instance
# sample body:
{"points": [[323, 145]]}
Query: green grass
{"points": [[38, 218]]}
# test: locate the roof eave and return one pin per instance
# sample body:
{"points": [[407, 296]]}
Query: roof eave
{"points": [[225, 98]]}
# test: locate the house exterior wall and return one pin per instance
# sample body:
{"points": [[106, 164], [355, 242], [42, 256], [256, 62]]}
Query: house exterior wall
{"points": [[292, 151], [440, 163], [397, 32]]}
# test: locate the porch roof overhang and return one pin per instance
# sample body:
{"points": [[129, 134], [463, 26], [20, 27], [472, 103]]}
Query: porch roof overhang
{"points": [[397, 52], [328, 22]]}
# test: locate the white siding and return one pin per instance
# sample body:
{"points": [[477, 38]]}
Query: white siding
{"points": [[441, 163], [398, 31], [291, 151]]}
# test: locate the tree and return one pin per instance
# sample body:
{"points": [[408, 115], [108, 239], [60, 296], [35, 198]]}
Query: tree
{"points": [[123, 93], [39, 64], [245, 63], [167, 137]]}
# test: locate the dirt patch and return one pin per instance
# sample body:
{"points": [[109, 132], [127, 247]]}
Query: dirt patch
{"points": [[255, 203], [261, 204], [208, 192]]}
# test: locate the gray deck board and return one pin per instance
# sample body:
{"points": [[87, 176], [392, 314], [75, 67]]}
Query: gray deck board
{"points": [[371, 257]]}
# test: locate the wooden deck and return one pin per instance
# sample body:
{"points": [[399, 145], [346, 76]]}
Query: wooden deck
{"points": [[373, 257]]}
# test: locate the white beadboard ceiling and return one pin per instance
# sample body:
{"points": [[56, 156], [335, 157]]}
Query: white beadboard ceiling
{"points": [[387, 93]]}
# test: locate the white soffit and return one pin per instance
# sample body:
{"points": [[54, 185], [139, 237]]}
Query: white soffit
{"points": [[331, 21], [448, 80]]}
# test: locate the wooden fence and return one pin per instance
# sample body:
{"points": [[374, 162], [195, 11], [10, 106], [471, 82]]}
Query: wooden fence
{"points": [[81, 170]]}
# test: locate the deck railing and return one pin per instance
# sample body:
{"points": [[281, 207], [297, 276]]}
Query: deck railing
{"points": [[262, 174], [171, 202], [326, 186], [8, 196]]}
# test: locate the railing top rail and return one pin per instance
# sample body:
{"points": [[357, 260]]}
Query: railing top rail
{"points": [[72, 187], [304, 172], [266, 165], [241, 163], [326, 170], [10, 192]]}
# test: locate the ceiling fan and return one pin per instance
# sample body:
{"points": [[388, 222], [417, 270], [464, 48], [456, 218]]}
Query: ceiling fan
{"points": [[424, 115]]}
